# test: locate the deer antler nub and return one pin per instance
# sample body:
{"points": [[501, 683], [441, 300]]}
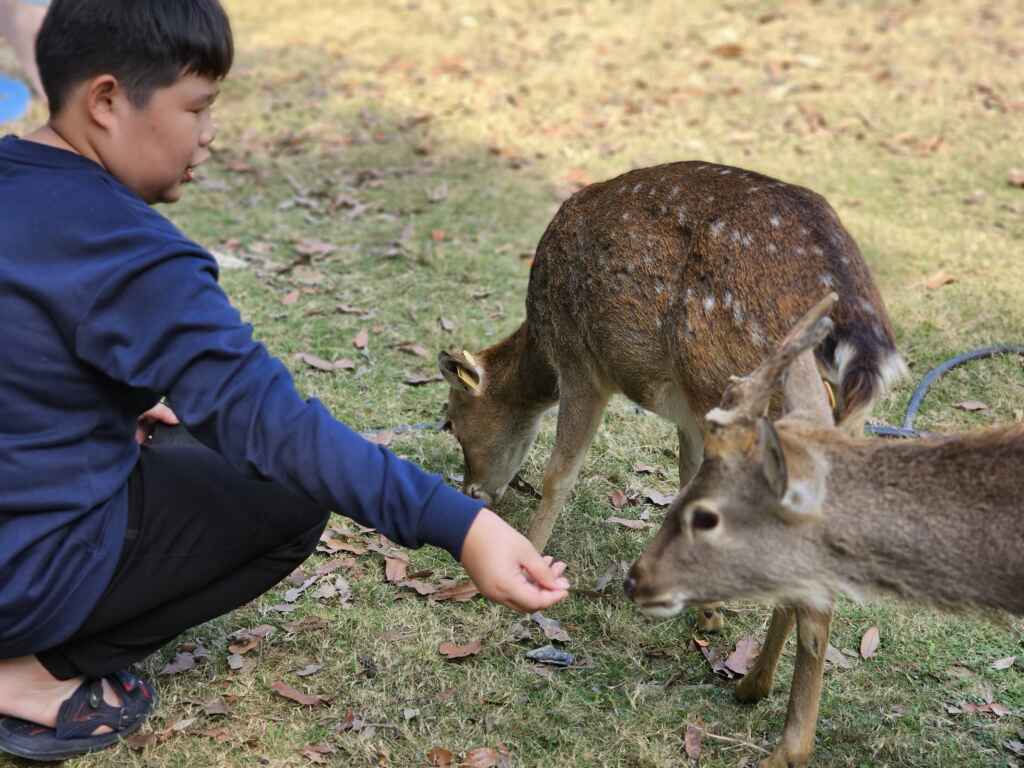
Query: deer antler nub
{"points": [[747, 397]]}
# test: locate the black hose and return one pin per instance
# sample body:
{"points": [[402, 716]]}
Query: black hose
{"points": [[907, 429]]}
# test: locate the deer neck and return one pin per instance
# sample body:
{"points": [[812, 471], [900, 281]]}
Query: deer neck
{"points": [[520, 373], [934, 521]]}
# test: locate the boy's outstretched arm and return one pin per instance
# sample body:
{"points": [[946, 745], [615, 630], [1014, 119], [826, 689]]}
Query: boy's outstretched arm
{"points": [[507, 569]]}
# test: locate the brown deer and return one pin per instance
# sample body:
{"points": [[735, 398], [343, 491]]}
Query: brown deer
{"points": [[798, 511], [657, 285]]}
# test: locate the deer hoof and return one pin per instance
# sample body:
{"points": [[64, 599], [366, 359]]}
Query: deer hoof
{"points": [[751, 688], [710, 620], [781, 758]]}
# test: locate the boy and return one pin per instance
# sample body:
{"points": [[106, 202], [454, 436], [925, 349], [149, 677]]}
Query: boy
{"points": [[108, 551]]}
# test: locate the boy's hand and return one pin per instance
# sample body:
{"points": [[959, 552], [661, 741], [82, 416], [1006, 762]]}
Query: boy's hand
{"points": [[507, 569], [158, 412]]}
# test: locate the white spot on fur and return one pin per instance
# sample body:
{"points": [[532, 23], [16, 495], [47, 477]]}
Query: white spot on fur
{"points": [[625, 216], [681, 215], [673, 192], [689, 295], [799, 251], [724, 172], [709, 304], [827, 280], [775, 221], [747, 240], [736, 236], [772, 248], [868, 307], [818, 250], [716, 228], [727, 299], [752, 190], [737, 313], [637, 188], [757, 335], [804, 231]]}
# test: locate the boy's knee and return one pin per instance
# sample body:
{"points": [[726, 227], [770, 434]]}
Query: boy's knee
{"points": [[302, 546]]}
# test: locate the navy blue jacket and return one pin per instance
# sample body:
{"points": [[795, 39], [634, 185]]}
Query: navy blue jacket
{"points": [[104, 306]]}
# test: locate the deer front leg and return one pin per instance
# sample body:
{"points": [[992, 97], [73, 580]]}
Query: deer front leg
{"points": [[579, 415], [757, 683], [805, 694], [691, 453]]}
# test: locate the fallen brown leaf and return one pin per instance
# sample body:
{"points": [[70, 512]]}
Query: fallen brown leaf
{"points": [[439, 757], [971, 405], [290, 298], [939, 279], [1015, 177], [869, 643], [1002, 664], [361, 339], [459, 592], [742, 659], [305, 699], [692, 741], [395, 569], [629, 523], [618, 499], [452, 651]]}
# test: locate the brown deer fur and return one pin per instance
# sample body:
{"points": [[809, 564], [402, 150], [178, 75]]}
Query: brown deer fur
{"points": [[658, 285], [798, 512]]}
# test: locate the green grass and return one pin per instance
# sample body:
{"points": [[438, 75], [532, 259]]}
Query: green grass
{"points": [[508, 105]]}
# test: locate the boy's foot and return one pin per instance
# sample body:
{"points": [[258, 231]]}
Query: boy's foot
{"points": [[86, 722]]}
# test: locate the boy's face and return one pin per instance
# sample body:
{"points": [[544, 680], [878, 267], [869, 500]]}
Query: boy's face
{"points": [[155, 149]]}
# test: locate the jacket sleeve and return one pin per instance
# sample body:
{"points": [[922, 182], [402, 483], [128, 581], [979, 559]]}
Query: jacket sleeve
{"points": [[163, 324]]}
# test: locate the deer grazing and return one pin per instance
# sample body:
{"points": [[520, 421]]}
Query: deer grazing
{"points": [[657, 285], [798, 511]]}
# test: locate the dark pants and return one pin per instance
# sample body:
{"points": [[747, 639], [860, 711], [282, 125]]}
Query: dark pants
{"points": [[202, 540]]}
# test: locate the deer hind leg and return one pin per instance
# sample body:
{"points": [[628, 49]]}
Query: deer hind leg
{"points": [[805, 693], [579, 414], [691, 453], [757, 683]]}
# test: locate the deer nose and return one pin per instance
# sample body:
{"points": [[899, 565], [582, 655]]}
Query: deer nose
{"points": [[479, 493], [629, 587]]}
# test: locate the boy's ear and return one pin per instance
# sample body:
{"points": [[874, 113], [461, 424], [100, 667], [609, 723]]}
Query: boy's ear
{"points": [[101, 95]]}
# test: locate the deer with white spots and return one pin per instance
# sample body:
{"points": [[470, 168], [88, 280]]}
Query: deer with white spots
{"points": [[795, 511], [658, 285]]}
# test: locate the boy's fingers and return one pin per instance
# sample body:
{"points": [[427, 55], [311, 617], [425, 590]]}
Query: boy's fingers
{"points": [[544, 575]]}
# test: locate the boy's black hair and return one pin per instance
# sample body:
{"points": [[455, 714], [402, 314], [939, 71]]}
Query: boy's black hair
{"points": [[145, 44]]}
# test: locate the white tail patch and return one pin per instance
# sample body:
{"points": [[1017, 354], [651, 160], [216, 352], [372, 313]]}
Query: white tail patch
{"points": [[891, 370]]}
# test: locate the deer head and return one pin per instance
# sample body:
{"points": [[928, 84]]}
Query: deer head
{"points": [[746, 525], [495, 431]]}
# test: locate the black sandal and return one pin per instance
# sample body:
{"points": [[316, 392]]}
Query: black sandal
{"points": [[79, 716]]}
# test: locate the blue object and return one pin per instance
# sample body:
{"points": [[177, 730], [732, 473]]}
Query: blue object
{"points": [[14, 99]]}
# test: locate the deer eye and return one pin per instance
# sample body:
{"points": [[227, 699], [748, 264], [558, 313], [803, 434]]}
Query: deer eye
{"points": [[704, 519]]}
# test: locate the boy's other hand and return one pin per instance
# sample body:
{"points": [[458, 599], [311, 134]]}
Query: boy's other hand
{"points": [[158, 412], [507, 569]]}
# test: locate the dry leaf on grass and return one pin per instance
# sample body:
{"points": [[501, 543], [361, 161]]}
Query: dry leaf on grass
{"points": [[290, 298], [315, 753], [837, 658], [657, 498], [1006, 663], [396, 568], [742, 659], [1015, 177], [361, 339], [182, 662], [939, 279], [486, 757], [305, 699], [869, 643], [693, 740], [629, 523], [552, 627], [618, 499], [452, 651], [971, 405], [459, 592], [439, 757]]}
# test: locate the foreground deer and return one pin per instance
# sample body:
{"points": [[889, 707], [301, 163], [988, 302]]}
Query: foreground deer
{"points": [[658, 285], [799, 511]]}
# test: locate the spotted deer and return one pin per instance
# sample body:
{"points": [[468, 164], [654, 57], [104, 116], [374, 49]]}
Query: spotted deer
{"points": [[797, 511], [657, 285]]}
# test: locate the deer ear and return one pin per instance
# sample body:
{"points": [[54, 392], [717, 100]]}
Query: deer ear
{"points": [[771, 457], [461, 371]]}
